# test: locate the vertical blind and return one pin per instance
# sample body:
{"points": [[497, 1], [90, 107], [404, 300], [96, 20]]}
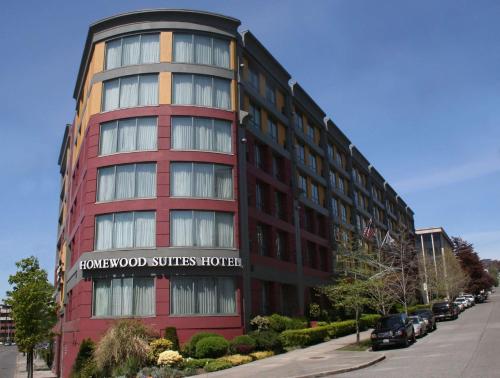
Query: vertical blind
{"points": [[135, 49], [126, 230], [124, 297], [130, 91], [203, 295], [201, 180], [201, 229], [202, 90], [199, 49], [126, 181], [204, 134], [133, 134]]}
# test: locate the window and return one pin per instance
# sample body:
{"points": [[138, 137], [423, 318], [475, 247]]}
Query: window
{"points": [[315, 193], [201, 229], [335, 208], [201, 134], [259, 196], [299, 122], [270, 93], [341, 185], [126, 181], [128, 296], [272, 129], [343, 213], [202, 90], [333, 179], [202, 295], [276, 167], [253, 77], [125, 230], [356, 198], [201, 180], [300, 152], [132, 134], [279, 203], [330, 151], [258, 157], [302, 184], [280, 245], [312, 161], [130, 91], [358, 222], [201, 49], [339, 159], [255, 113], [262, 237], [310, 133], [135, 49]]}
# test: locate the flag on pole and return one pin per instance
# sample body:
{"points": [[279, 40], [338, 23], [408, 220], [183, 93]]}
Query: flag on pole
{"points": [[387, 239], [369, 230]]}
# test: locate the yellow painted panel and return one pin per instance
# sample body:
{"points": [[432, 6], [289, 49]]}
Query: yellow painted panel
{"points": [[321, 195], [246, 103], [319, 164], [280, 100], [308, 187], [245, 69], [234, 96], [165, 85], [94, 105], [98, 57], [232, 55], [317, 136], [263, 124], [281, 134], [166, 44], [262, 85]]}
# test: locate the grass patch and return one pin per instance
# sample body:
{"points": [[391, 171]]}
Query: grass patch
{"points": [[361, 347]]}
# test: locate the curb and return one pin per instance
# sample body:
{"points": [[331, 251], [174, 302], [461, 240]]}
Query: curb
{"points": [[344, 370]]}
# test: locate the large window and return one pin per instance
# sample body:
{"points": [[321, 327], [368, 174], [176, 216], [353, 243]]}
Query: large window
{"points": [[202, 90], [130, 91], [125, 230], [126, 181], [124, 297], [315, 193], [255, 114], [203, 134], [132, 134], [201, 180], [201, 229], [272, 129], [202, 295], [200, 49], [135, 49]]}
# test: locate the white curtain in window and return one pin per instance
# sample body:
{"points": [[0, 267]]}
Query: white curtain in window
{"points": [[106, 184], [183, 48], [207, 295], [146, 180], [203, 49], [182, 228], [204, 228], [150, 48], [182, 133], [148, 91], [183, 299], [181, 179], [145, 229], [224, 230], [127, 135], [113, 54], [128, 91], [183, 89], [108, 138], [104, 232], [131, 50], [102, 297], [127, 296], [203, 180], [203, 90], [125, 181], [123, 230], [117, 297], [227, 297], [144, 298], [223, 182], [204, 134], [146, 133], [222, 136], [221, 53], [222, 93], [111, 95]]}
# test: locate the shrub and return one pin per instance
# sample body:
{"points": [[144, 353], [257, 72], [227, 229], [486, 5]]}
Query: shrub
{"points": [[88, 369], [260, 323], [369, 320], [280, 323], [162, 372], [261, 355], [169, 358], [189, 348], [83, 357], [314, 311], [243, 344], [343, 328], [171, 334], [217, 365], [196, 363], [303, 337], [156, 347], [236, 359], [211, 346], [267, 340]]}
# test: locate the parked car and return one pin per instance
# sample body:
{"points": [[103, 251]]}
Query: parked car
{"points": [[419, 326], [480, 298], [445, 310], [467, 303], [461, 304], [470, 297], [392, 330], [428, 317]]}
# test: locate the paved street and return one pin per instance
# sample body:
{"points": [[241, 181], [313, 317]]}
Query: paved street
{"points": [[467, 347], [7, 361]]}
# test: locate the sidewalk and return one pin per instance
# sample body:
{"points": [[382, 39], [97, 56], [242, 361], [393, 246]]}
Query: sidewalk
{"points": [[40, 369], [315, 361]]}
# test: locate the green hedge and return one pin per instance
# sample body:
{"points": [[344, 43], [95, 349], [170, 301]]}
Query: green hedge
{"points": [[196, 363], [303, 337], [267, 340], [280, 323], [217, 365], [211, 347], [243, 344], [413, 308], [369, 320], [189, 349]]}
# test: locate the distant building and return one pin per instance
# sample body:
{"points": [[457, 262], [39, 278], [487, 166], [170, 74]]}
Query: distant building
{"points": [[7, 327]]}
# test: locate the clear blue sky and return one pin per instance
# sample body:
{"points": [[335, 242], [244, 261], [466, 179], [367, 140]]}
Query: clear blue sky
{"points": [[414, 84]]}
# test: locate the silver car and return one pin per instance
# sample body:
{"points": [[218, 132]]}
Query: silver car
{"points": [[419, 325]]}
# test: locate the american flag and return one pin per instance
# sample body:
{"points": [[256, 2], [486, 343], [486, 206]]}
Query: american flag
{"points": [[369, 231]]}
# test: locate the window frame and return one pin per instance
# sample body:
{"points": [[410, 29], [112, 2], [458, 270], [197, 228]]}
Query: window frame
{"points": [[193, 91], [119, 79], [121, 50], [212, 56]]}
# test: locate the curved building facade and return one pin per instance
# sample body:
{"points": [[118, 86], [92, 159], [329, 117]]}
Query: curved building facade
{"points": [[199, 186]]}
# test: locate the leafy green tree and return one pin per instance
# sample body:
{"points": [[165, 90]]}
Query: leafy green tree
{"points": [[33, 307]]}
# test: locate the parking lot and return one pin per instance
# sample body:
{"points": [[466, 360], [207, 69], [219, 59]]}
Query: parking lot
{"points": [[466, 347]]}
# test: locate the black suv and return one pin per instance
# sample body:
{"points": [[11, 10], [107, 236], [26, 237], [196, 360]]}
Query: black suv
{"points": [[429, 316], [445, 310], [393, 330]]}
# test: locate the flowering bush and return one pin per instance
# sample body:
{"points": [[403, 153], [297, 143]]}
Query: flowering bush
{"points": [[261, 355], [169, 358], [157, 346], [260, 322], [236, 359]]}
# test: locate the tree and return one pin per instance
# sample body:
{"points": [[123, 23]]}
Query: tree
{"points": [[33, 307]]}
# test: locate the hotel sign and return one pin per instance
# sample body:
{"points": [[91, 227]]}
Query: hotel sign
{"points": [[174, 261]]}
